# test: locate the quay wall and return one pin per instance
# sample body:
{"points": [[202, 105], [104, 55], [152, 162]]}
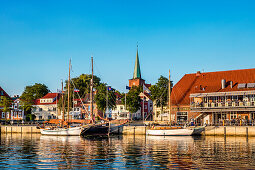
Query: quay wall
{"points": [[19, 129], [209, 130], [141, 130], [134, 130], [229, 131]]}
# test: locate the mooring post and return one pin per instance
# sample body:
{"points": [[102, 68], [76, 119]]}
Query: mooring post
{"points": [[134, 130], [224, 131], [247, 132]]}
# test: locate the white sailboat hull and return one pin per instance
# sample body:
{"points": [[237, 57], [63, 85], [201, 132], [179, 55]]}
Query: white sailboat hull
{"points": [[170, 132], [73, 131]]}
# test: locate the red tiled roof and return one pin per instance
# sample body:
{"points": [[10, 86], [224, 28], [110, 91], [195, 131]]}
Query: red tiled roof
{"points": [[48, 96], [4, 93], [210, 82]]}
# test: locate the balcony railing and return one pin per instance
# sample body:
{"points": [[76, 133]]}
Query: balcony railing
{"points": [[230, 104]]}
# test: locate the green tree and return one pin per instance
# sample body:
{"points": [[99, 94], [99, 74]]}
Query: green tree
{"points": [[133, 99], [82, 83], [31, 93], [101, 97], [159, 91], [5, 102]]}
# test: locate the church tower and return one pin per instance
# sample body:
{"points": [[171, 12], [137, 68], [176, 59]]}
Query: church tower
{"points": [[137, 76]]}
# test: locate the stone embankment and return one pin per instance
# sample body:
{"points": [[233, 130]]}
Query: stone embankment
{"points": [[229, 131], [19, 129]]}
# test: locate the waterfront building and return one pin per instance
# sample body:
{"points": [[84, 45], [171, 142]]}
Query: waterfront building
{"points": [[3, 115], [85, 107], [46, 107], [120, 112], [215, 97], [15, 113]]}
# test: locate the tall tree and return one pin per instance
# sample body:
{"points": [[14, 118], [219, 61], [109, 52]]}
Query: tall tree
{"points": [[82, 83], [5, 102], [101, 97], [32, 93], [159, 91], [133, 100]]}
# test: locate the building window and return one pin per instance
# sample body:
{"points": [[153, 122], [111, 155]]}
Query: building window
{"points": [[2, 92], [78, 109], [54, 109], [49, 117], [88, 108], [233, 115], [20, 115], [7, 115], [3, 115], [182, 117], [40, 117], [145, 106], [15, 114], [40, 109]]}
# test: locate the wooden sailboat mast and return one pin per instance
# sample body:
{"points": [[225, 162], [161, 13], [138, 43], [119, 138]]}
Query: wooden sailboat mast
{"points": [[169, 98], [68, 98], [91, 91], [63, 107]]}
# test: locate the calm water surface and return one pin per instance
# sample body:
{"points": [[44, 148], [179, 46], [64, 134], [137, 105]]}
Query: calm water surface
{"points": [[126, 152]]}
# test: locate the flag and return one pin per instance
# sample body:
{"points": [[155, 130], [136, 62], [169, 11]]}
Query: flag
{"points": [[59, 91], [76, 90], [128, 88], [109, 88], [146, 89]]}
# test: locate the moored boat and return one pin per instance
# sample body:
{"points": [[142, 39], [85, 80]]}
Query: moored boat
{"points": [[169, 131], [95, 130], [63, 130], [71, 131]]}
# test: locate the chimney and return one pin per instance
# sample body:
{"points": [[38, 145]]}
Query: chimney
{"points": [[231, 84], [198, 73], [223, 83]]}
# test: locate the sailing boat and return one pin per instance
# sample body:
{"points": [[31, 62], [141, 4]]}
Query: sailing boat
{"points": [[94, 129], [172, 130], [63, 131]]}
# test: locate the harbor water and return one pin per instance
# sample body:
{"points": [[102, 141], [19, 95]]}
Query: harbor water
{"points": [[34, 151]]}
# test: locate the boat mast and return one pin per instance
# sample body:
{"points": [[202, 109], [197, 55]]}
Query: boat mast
{"points": [[91, 91], [106, 112], [68, 100], [63, 108], [169, 98]]}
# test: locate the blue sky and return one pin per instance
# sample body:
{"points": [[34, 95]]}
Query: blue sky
{"points": [[37, 38]]}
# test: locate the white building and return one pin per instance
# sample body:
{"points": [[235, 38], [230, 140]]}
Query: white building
{"points": [[120, 112], [46, 107]]}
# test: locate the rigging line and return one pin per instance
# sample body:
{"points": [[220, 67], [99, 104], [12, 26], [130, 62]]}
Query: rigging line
{"points": [[80, 98], [98, 71]]}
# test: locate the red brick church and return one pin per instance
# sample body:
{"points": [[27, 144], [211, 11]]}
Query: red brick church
{"points": [[137, 80]]}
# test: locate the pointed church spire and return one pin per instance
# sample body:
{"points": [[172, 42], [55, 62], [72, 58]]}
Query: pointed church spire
{"points": [[137, 71]]}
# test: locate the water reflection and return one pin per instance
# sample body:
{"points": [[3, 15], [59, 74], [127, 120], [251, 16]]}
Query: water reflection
{"points": [[135, 152]]}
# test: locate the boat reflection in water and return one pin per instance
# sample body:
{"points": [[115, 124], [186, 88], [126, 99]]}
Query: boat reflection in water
{"points": [[126, 152]]}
